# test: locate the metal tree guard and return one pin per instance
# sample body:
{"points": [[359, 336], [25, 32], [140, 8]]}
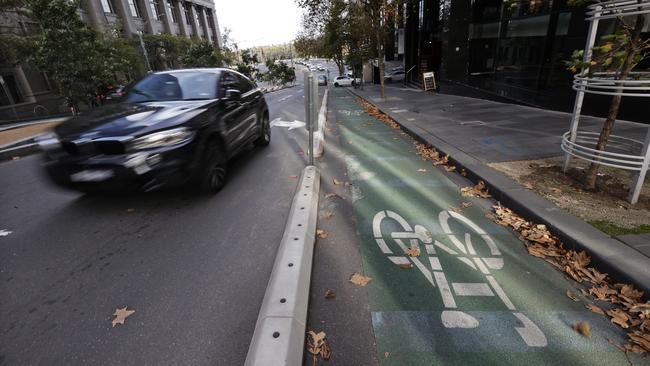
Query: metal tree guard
{"points": [[622, 152]]}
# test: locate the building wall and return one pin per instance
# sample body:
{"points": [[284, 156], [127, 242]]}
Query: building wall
{"points": [[513, 53]]}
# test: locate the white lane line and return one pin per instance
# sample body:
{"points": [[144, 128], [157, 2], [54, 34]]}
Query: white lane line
{"points": [[435, 263], [472, 289], [285, 98], [530, 332], [445, 291], [502, 294]]}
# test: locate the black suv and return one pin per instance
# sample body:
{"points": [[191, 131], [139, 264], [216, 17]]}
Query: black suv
{"points": [[172, 127]]}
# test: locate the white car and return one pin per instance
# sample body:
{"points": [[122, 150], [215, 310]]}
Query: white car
{"points": [[344, 81]]}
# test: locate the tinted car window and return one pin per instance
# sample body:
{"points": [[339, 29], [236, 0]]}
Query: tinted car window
{"points": [[244, 84], [174, 86], [228, 81]]}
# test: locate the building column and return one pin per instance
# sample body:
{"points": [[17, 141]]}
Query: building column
{"points": [[127, 18], [96, 13], [167, 19], [148, 15], [195, 24], [26, 89], [179, 8], [206, 25], [216, 30]]}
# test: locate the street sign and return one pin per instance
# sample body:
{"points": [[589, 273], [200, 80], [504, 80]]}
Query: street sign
{"points": [[429, 81]]}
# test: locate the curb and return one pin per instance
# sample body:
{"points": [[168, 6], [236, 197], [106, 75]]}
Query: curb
{"points": [[620, 261], [279, 335], [20, 150]]}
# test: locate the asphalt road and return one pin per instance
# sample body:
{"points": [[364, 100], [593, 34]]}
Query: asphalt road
{"points": [[194, 268]]}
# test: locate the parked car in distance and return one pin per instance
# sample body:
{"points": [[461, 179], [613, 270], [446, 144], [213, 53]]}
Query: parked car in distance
{"points": [[322, 79], [173, 127], [344, 81], [320, 68], [394, 76]]}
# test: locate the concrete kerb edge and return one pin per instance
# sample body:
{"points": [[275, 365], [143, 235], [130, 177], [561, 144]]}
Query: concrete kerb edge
{"points": [[20, 151], [599, 246], [280, 330]]}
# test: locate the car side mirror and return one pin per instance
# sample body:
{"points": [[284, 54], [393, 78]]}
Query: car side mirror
{"points": [[233, 94]]}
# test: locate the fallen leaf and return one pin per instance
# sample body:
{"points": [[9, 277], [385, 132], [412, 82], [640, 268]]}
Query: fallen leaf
{"points": [[479, 190], [583, 328], [527, 185], [412, 251], [121, 315], [350, 142], [571, 296], [450, 168], [317, 345], [329, 294], [386, 354], [463, 173], [130, 210], [466, 204], [595, 309], [328, 214], [422, 170], [333, 195], [337, 182], [321, 233], [556, 190], [405, 265], [619, 317], [359, 279]]}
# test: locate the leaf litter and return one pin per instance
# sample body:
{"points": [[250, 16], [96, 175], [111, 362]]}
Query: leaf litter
{"points": [[317, 345], [627, 309], [359, 279], [120, 315]]}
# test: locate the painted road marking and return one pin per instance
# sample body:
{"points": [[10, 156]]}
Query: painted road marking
{"points": [[285, 98], [280, 123], [472, 289], [4, 232]]}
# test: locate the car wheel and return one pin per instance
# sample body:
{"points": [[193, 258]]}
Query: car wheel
{"points": [[214, 170], [336, 84], [265, 133]]}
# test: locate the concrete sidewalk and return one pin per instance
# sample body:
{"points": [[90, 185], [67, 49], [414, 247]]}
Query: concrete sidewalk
{"points": [[475, 132]]}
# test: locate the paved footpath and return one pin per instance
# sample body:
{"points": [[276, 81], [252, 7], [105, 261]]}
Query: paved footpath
{"points": [[473, 296]]}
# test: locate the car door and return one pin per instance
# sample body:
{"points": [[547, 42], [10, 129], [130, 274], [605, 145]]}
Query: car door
{"points": [[232, 110], [249, 102]]}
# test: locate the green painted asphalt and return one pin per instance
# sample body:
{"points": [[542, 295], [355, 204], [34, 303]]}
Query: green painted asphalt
{"points": [[473, 295]]}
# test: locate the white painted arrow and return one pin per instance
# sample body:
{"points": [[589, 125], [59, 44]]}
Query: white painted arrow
{"points": [[280, 123]]}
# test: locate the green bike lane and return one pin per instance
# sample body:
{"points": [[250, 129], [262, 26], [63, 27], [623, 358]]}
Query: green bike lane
{"points": [[472, 295]]}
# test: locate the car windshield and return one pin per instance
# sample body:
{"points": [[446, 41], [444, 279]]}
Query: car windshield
{"points": [[175, 86]]}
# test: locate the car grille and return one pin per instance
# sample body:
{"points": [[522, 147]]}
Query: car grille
{"points": [[106, 147]]}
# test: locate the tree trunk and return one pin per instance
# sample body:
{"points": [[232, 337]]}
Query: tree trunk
{"points": [[380, 56], [628, 64]]}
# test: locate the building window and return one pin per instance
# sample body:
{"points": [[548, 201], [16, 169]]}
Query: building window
{"points": [[108, 6], [210, 19], [172, 11], [11, 92], [135, 9], [155, 9], [188, 17]]}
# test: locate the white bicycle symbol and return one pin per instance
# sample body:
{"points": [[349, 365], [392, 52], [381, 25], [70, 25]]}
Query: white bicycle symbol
{"points": [[464, 252]]}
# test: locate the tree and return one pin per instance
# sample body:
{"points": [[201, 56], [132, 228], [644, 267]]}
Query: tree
{"points": [[619, 53], [279, 73], [62, 39], [203, 54], [248, 62]]}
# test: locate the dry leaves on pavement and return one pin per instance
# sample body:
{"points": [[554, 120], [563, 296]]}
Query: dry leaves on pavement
{"points": [[627, 308], [479, 190], [329, 294], [584, 329], [121, 315], [333, 195], [337, 182], [375, 112], [359, 279], [317, 345], [327, 214], [412, 251], [322, 233]]}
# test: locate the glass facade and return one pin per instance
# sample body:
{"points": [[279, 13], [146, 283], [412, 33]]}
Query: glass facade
{"points": [[517, 52], [108, 6], [135, 9], [172, 11]]}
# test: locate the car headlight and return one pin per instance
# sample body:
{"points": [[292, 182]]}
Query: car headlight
{"points": [[162, 138]]}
